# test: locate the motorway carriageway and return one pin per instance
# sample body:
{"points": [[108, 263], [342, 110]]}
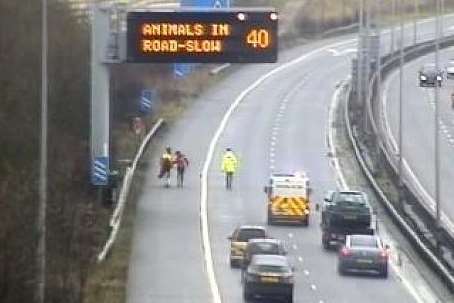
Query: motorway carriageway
{"points": [[277, 123]]}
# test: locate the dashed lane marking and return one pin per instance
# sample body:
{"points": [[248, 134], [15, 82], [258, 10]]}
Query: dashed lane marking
{"points": [[313, 287], [300, 259], [306, 272], [206, 244], [290, 235], [295, 247]]}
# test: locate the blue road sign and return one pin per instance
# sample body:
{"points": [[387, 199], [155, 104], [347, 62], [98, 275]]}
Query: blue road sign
{"points": [[100, 171], [181, 70], [147, 98]]}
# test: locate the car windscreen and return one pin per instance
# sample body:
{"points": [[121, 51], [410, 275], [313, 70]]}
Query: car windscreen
{"points": [[363, 242], [247, 234], [264, 248]]}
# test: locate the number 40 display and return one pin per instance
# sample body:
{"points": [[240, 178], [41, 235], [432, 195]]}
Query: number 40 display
{"points": [[258, 38]]}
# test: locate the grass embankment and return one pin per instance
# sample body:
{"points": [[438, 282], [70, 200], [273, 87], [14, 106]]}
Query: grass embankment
{"points": [[108, 281]]}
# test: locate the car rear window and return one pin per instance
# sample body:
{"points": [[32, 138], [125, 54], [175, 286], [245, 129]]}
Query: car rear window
{"points": [[272, 268], [363, 242], [247, 234], [351, 201], [264, 248]]}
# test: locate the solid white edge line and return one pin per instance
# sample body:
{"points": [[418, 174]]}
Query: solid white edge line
{"points": [[339, 172], [334, 103], [209, 157], [430, 205]]}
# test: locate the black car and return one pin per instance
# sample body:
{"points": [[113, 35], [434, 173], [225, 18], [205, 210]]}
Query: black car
{"points": [[429, 76], [363, 253], [345, 213], [263, 247], [268, 276]]}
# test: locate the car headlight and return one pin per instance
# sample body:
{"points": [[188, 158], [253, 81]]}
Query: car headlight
{"points": [[423, 78], [439, 78]]}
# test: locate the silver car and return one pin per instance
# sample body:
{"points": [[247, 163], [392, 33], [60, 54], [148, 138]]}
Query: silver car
{"points": [[429, 76], [363, 253]]}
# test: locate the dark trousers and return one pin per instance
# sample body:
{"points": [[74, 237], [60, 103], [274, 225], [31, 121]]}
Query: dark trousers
{"points": [[228, 180], [180, 176]]}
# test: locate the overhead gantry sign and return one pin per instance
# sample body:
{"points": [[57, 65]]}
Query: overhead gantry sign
{"points": [[227, 36]]}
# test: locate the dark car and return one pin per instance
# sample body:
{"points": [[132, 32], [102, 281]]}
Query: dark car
{"points": [[429, 76], [263, 247], [345, 213], [268, 276], [239, 239], [450, 69], [365, 253]]}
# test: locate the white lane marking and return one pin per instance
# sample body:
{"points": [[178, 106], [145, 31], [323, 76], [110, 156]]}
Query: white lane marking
{"points": [[272, 155], [412, 290], [273, 143], [300, 259], [407, 169], [344, 52], [306, 272], [392, 141], [272, 149], [272, 161], [272, 167], [210, 154], [295, 247], [290, 235], [333, 52], [283, 106], [340, 180], [313, 287]]}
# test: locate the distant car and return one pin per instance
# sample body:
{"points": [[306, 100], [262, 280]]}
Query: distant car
{"points": [[450, 69], [239, 240], [429, 76], [268, 276], [363, 253], [263, 247]]}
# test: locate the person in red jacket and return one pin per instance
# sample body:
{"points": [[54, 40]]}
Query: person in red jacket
{"points": [[181, 162]]}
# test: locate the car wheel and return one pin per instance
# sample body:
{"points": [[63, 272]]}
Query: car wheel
{"points": [[233, 263], [384, 272], [325, 243], [341, 269], [270, 221], [246, 295], [305, 221]]}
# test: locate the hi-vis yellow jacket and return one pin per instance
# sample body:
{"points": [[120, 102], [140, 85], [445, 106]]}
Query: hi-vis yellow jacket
{"points": [[229, 162]]}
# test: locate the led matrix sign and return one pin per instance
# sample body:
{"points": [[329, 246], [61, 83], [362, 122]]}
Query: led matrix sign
{"points": [[202, 36]]}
